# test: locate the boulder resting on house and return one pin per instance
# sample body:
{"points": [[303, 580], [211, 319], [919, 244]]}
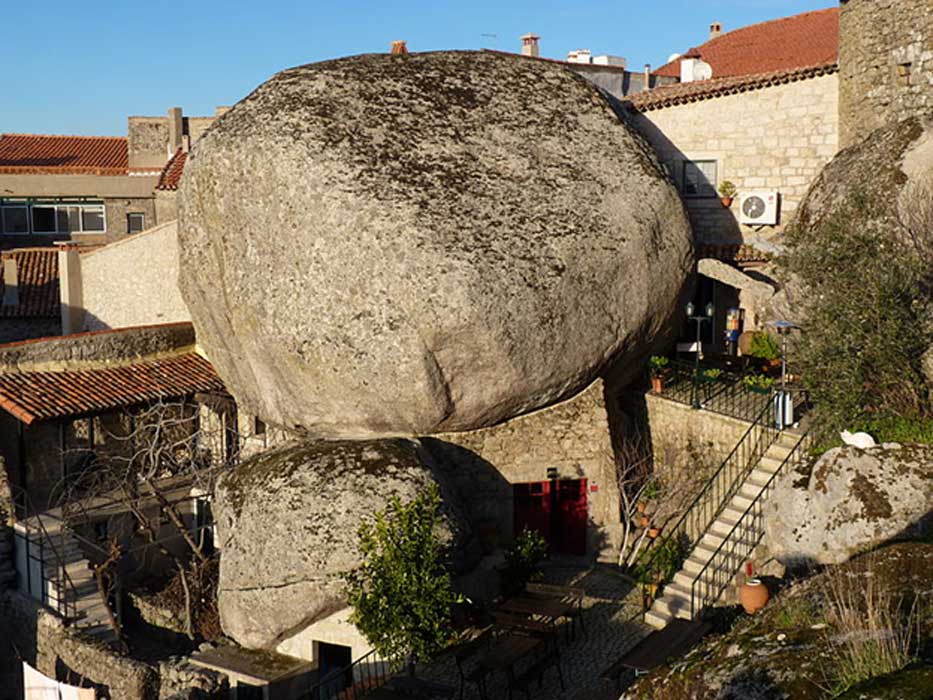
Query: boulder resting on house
{"points": [[409, 245], [852, 501], [287, 526]]}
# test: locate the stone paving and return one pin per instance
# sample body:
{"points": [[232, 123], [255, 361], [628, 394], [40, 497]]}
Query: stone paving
{"points": [[612, 615]]}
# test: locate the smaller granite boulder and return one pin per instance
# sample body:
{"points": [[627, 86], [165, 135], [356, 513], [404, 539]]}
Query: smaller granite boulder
{"points": [[287, 523], [852, 501]]}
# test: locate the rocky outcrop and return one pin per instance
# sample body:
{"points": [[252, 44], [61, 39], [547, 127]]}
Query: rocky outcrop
{"points": [[852, 501], [287, 523], [411, 245], [790, 651]]}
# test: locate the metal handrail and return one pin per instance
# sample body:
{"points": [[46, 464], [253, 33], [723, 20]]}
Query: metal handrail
{"points": [[744, 533], [373, 671], [724, 483], [61, 578]]}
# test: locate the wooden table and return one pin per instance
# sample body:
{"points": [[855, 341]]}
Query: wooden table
{"points": [[510, 648], [541, 607], [674, 640]]}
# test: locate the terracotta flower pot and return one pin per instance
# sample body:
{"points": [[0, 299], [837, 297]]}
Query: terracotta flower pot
{"points": [[654, 532], [644, 521], [726, 201], [753, 595], [642, 507], [657, 384]]}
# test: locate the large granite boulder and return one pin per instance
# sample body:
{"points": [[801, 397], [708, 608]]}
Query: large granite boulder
{"points": [[881, 183], [852, 500], [385, 245], [287, 523]]}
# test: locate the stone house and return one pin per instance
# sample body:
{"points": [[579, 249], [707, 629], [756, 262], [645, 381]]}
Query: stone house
{"points": [[90, 189], [758, 107]]}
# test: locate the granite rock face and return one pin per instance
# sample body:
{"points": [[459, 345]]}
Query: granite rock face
{"points": [[852, 501], [410, 245], [287, 523]]}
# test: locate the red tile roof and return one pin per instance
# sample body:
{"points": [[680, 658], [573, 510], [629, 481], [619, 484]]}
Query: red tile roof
{"points": [[809, 39], [734, 253], [171, 173], [31, 396], [37, 278], [42, 154], [682, 93]]}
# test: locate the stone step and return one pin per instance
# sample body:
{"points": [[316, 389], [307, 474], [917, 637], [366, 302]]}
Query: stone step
{"points": [[658, 620]]}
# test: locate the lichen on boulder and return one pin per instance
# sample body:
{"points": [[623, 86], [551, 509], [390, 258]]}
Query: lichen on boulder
{"points": [[851, 501], [411, 245], [287, 523]]}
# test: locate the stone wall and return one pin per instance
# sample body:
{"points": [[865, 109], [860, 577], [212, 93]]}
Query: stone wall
{"points": [[116, 210], [166, 206], [772, 138], [885, 64], [676, 429], [114, 299], [42, 640], [572, 436], [97, 349]]}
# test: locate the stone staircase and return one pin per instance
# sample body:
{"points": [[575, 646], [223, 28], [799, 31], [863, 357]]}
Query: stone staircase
{"points": [[76, 596], [676, 598]]}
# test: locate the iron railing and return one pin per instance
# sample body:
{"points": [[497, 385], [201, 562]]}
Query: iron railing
{"points": [[721, 391], [355, 681], [31, 533], [735, 549], [722, 485]]}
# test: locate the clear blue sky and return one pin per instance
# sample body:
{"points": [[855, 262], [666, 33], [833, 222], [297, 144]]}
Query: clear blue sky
{"points": [[81, 67]]}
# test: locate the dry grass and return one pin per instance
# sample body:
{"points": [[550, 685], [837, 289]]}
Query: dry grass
{"points": [[873, 630]]}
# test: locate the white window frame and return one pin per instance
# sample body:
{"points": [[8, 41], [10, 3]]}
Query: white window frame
{"points": [[683, 177], [56, 207]]}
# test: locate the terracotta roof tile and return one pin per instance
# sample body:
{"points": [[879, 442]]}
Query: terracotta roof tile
{"points": [[734, 253], [31, 396], [171, 173], [35, 153], [809, 39], [682, 93], [37, 277]]}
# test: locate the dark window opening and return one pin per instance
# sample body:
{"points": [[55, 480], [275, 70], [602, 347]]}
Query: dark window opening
{"points": [[699, 178], [135, 222]]}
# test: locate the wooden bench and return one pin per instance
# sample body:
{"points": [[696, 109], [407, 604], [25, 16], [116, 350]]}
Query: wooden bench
{"points": [[523, 624], [674, 640]]}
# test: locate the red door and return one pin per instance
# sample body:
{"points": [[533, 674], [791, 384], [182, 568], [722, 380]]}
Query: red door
{"points": [[532, 508], [569, 531]]}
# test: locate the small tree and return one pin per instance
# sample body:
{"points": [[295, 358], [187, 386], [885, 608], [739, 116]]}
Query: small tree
{"points": [[401, 593]]}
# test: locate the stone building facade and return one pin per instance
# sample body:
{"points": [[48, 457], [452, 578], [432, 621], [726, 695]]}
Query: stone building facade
{"points": [[885, 64], [776, 135]]}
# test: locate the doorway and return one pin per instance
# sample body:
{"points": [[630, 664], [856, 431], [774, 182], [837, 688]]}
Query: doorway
{"points": [[557, 509], [332, 658]]}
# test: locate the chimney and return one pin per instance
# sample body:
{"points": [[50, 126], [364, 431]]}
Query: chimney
{"points": [[692, 67], [647, 76], [176, 129], [70, 287], [10, 282], [715, 29], [399, 48], [530, 45]]}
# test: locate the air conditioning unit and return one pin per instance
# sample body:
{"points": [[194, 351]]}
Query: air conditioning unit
{"points": [[760, 208]]}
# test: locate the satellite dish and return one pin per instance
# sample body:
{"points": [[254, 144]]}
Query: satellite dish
{"points": [[673, 57], [702, 70]]}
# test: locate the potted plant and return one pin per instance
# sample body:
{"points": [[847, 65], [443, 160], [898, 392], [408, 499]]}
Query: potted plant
{"points": [[658, 365], [710, 375], [758, 383], [765, 347], [727, 192]]}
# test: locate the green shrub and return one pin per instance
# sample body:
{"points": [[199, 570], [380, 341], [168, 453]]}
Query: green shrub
{"points": [[867, 304], [758, 382], [661, 562], [401, 593], [522, 562], [764, 346], [658, 365], [727, 189]]}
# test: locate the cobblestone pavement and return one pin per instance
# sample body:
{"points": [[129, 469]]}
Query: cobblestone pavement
{"points": [[612, 615]]}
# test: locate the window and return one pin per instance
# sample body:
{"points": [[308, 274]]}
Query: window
{"points": [[699, 178], [135, 222], [49, 218], [15, 219]]}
